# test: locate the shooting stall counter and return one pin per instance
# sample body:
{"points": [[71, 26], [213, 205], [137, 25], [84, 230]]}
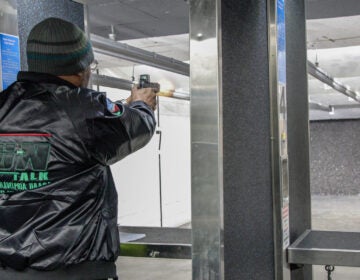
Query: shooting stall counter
{"points": [[326, 248]]}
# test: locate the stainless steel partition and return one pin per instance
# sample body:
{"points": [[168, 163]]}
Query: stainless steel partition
{"points": [[240, 173], [298, 127], [206, 140]]}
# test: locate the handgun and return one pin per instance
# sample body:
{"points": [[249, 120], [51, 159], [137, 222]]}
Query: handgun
{"points": [[144, 82]]}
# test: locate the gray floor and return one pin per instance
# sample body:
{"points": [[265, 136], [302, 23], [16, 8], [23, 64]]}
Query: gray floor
{"points": [[329, 213], [338, 214], [151, 269]]}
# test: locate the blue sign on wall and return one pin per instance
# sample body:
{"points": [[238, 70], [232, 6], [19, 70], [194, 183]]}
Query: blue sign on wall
{"points": [[281, 38], [9, 59], [284, 168]]}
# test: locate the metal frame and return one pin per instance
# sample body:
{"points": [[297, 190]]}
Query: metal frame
{"points": [[274, 124], [206, 140], [107, 81], [321, 75], [129, 53], [320, 107], [112, 82], [282, 270], [332, 248]]}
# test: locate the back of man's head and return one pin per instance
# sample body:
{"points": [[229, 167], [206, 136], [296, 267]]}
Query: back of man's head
{"points": [[58, 47]]}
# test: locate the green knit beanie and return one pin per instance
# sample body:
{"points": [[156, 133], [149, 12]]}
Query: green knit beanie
{"points": [[58, 47]]}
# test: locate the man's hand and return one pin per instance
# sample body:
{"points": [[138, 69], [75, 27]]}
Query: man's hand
{"points": [[147, 95]]}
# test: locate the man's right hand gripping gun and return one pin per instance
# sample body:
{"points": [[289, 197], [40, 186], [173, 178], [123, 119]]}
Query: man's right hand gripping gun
{"points": [[144, 82]]}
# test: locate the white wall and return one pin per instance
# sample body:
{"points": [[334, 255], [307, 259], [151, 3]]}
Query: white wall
{"points": [[137, 176], [175, 159]]}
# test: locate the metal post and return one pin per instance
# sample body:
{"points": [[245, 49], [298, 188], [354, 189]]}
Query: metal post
{"points": [[206, 140], [279, 135], [298, 126], [240, 183]]}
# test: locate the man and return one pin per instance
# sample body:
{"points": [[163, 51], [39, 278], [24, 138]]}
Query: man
{"points": [[58, 202]]}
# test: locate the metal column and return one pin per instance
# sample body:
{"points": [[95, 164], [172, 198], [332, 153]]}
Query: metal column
{"points": [[206, 140], [240, 183], [298, 127]]}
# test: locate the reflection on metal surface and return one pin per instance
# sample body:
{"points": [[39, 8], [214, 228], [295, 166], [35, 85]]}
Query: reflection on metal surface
{"points": [[321, 75], [115, 49], [206, 143], [326, 247]]}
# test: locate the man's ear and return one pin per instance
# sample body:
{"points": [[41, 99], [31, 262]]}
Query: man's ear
{"points": [[78, 79], [80, 75], [84, 77], [75, 79]]}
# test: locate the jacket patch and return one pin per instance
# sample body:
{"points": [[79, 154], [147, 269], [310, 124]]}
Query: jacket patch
{"points": [[23, 166], [113, 108]]}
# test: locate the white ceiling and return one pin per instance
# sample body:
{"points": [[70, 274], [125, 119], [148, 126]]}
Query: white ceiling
{"points": [[334, 43], [134, 19], [175, 46], [333, 32]]}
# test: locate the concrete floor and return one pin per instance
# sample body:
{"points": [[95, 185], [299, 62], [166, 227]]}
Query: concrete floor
{"points": [[150, 269], [329, 213], [337, 213]]}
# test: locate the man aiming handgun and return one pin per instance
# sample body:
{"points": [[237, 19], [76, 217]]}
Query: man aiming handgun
{"points": [[58, 202]]}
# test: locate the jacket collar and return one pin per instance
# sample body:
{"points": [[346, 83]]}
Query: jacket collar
{"points": [[43, 78]]}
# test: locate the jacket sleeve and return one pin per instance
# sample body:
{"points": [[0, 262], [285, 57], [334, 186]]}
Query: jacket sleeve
{"points": [[109, 130], [118, 130]]}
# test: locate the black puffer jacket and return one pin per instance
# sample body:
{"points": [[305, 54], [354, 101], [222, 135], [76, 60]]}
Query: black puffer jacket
{"points": [[58, 202]]}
